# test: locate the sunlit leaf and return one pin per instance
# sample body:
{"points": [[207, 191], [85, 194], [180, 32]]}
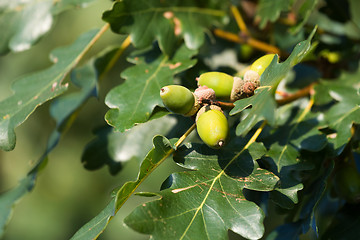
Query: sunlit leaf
{"points": [[133, 101], [33, 90], [209, 200], [22, 23], [165, 21]]}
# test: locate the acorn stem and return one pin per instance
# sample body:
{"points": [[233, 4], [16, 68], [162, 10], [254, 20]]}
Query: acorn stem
{"points": [[248, 40], [227, 105], [184, 136], [239, 20], [292, 97]]}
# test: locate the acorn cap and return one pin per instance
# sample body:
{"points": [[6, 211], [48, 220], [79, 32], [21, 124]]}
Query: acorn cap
{"points": [[204, 93], [244, 88]]}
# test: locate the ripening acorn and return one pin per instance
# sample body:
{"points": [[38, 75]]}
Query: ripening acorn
{"points": [[347, 183], [262, 63], [212, 126], [220, 82], [179, 99]]}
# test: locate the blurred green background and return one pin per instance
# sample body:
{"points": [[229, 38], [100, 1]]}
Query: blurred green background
{"points": [[66, 195]]}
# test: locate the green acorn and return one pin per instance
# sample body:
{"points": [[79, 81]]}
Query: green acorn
{"points": [[220, 82], [262, 63], [212, 126], [179, 99]]}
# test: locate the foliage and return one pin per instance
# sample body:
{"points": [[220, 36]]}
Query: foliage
{"points": [[287, 142]]}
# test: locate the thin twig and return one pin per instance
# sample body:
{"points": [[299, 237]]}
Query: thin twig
{"points": [[247, 40], [239, 20], [292, 97], [126, 43], [184, 136]]}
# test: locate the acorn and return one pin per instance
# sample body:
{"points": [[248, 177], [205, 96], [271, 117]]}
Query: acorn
{"points": [[262, 63], [220, 82], [212, 126], [179, 99]]}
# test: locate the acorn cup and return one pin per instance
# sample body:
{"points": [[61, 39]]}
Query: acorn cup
{"points": [[212, 126], [179, 99]]}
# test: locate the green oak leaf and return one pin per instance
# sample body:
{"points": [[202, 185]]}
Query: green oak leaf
{"points": [[22, 23], [162, 149], [354, 4], [303, 12], [209, 200], [165, 21], [263, 108], [133, 101], [114, 148], [63, 110], [263, 102], [306, 216], [270, 10], [299, 133], [342, 115], [33, 90]]}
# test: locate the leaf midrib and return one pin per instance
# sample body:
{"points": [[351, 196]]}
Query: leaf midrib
{"points": [[146, 85]]}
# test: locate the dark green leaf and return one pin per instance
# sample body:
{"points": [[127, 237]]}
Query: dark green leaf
{"points": [[133, 101], [304, 12], [299, 133], [165, 21], [346, 112], [270, 10], [209, 201], [22, 23], [162, 149], [114, 148], [345, 224], [35, 89], [289, 231]]}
